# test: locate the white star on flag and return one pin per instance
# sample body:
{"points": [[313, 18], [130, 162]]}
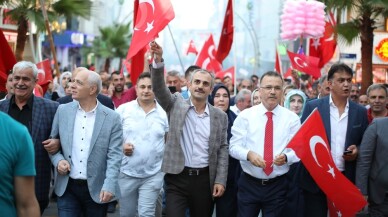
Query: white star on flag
{"points": [[339, 214], [331, 171], [316, 43], [150, 26]]}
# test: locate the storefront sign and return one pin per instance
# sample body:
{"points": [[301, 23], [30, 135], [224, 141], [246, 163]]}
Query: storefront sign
{"points": [[381, 50]]}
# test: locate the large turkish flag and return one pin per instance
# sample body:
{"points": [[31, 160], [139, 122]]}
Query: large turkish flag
{"points": [[226, 37], [152, 16], [206, 57], [310, 145], [306, 64]]}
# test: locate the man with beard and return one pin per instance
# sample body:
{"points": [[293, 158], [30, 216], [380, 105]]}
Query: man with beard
{"points": [[354, 93], [377, 99], [120, 95]]}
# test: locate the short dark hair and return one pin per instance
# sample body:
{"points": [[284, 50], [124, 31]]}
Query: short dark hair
{"points": [[254, 76], [143, 75], [115, 73], [191, 69], [272, 74], [339, 67]]}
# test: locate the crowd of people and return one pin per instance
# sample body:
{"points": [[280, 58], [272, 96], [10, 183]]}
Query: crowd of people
{"points": [[175, 145]]}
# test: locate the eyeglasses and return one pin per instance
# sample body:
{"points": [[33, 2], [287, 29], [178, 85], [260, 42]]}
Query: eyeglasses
{"points": [[275, 88]]}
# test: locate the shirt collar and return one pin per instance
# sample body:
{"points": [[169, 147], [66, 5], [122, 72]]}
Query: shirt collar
{"points": [[28, 104], [92, 111], [263, 110], [331, 103], [206, 108]]}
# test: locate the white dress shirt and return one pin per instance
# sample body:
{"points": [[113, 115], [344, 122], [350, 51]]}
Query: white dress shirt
{"points": [[338, 129], [82, 136], [146, 132], [235, 109], [248, 132]]}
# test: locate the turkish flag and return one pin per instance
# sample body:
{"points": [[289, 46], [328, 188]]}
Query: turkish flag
{"points": [[226, 73], [206, 57], [306, 64], [191, 48], [7, 60], [278, 63], [45, 78], [324, 47], [310, 145], [226, 37], [152, 16]]}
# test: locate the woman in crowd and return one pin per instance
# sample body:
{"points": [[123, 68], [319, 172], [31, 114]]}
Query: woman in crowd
{"points": [[255, 97], [227, 204], [295, 101], [64, 78]]}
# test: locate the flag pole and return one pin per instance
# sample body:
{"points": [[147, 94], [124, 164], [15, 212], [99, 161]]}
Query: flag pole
{"points": [[235, 55], [176, 48], [52, 47]]}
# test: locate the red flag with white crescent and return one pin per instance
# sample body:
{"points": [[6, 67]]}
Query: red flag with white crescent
{"points": [[306, 64], [226, 37], [206, 57], [311, 146]]}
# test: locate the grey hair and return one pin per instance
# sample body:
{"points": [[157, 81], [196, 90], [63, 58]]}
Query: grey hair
{"points": [[375, 87], [95, 79], [173, 73], [203, 71], [240, 97], [322, 79], [26, 65]]}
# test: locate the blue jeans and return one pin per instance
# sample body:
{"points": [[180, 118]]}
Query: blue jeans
{"points": [[139, 195], [77, 202]]}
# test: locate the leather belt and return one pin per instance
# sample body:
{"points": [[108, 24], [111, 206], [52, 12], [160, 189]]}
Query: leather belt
{"points": [[78, 181], [264, 181], [195, 171]]}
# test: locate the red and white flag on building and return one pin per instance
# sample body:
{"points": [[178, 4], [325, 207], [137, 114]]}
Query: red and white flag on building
{"points": [[324, 47], [226, 37], [191, 48], [151, 18], [206, 57], [306, 64], [311, 146]]}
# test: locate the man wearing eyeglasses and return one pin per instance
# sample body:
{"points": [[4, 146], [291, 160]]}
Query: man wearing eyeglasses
{"points": [[260, 135]]}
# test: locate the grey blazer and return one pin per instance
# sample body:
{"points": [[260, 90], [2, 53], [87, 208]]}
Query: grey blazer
{"points": [[372, 163], [177, 108], [104, 154]]}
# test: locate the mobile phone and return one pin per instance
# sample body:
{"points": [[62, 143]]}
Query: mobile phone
{"points": [[172, 89], [347, 152]]}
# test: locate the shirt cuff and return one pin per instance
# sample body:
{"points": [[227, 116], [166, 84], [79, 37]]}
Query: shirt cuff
{"points": [[157, 65]]}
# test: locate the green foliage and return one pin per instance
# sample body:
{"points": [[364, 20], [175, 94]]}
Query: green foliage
{"points": [[113, 42]]}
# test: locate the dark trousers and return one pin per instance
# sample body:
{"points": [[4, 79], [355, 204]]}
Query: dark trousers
{"points": [[254, 195], [77, 202], [43, 205], [189, 189], [294, 205], [379, 210], [315, 204]]}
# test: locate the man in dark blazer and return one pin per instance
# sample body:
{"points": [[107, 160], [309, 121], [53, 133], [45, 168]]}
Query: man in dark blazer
{"points": [[37, 115], [372, 167], [106, 101], [345, 123], [196, 154]]}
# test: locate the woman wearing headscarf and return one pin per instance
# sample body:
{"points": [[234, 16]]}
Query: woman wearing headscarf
{"points": [[64, 79], [295, 101], [227, 204]]}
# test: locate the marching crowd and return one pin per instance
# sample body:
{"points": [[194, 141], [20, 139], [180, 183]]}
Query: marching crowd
{"points": [[184, 146]]}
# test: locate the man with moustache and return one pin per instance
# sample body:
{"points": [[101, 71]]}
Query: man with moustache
{"points": [[196, 154], [345, 122], [119, 94], [377, 98], [37, 115]]}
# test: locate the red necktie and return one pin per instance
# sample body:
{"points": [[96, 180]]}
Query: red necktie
{"points": [[268, 144]]}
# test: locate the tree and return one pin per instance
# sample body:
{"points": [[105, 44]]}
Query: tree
{"points": [[113, 42], [361, 26], [25, 11]]}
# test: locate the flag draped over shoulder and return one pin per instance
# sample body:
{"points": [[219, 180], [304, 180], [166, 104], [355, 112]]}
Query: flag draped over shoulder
{"points": [[7, 61], [324, 47], [306, 64], [311, 146], [226, 37], [206, 57]]}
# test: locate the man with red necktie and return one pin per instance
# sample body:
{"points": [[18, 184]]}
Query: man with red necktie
{"points": [[260, 134]]}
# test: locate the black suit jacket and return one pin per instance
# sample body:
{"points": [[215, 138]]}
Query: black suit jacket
{"points": [[357, 124], [106, 101]]}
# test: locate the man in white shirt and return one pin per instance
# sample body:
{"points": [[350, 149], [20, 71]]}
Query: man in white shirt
{"points": [[242, 100], [87, 165], [144, 126], [260, 135]]}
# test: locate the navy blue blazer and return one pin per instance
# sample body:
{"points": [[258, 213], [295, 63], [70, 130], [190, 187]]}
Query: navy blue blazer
{"points": [[106, 101], [43, 111], [357, 124]]}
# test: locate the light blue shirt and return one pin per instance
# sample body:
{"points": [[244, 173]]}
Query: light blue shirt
{"points": [[146, 132], [195, 138]]}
